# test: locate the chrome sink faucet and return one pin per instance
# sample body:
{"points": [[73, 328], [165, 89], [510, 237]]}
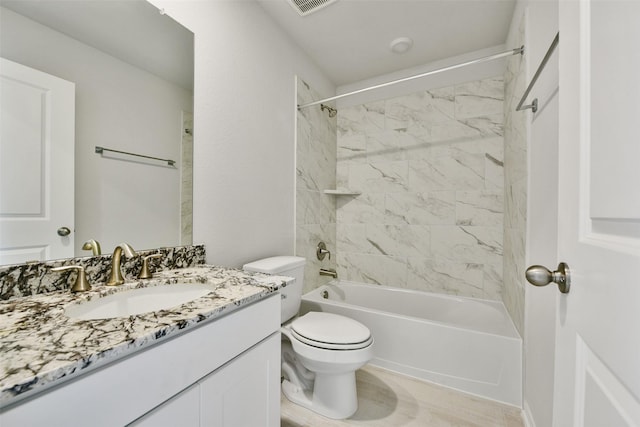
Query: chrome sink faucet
{"points": [[116, 278]]}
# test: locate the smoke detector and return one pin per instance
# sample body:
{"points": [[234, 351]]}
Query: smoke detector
{"points": [[305, 7], [401, 45]]}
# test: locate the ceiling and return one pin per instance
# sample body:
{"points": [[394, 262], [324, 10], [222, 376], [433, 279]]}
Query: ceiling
{"points": [[133, 31], [349, 39]]}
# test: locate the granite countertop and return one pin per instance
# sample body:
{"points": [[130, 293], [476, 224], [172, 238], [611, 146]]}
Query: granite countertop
{"points": [[40, 346]]}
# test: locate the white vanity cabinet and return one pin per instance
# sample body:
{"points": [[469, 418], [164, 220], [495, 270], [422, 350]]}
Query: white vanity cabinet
{"points": [[240, 393], [181, 410], [225, 372]]}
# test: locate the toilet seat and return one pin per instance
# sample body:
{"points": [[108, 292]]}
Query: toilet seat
{"points": [[331, 346], [331, 331]]}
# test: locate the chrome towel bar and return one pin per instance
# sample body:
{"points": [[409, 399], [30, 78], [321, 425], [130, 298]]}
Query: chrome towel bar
{"points": [[100, 150], [534, 104]]}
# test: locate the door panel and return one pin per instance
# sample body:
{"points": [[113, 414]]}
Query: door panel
{"points": [[610, 26], [36, 164], [23, 149], [597, 345], [604, 400]]}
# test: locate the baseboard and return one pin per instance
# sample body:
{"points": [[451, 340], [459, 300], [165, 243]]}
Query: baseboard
{"points": [[527, 418]]}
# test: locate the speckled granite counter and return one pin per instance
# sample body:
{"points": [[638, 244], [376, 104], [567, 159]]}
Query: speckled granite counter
{"points": [[40, 346]]}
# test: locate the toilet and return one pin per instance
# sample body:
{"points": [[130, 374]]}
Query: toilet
{"points": [[320, 351]]}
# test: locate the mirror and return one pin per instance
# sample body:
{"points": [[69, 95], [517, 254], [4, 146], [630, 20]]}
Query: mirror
{"points": [[132, 68]]}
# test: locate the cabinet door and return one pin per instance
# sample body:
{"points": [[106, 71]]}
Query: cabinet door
{"points": [[245, 391], [181, 410]]}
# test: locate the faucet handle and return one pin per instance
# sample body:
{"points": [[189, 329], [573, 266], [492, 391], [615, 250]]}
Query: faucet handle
{"points": [[144, 272], [321, 251], [81, 284]]}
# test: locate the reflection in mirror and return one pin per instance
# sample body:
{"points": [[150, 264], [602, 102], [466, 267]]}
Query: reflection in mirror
{"points": [[132, 69]]}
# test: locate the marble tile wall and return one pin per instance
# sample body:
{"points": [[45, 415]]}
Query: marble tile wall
{"points": [[315, 172], [186, 181], [36, 277], [515, 203], [430, 169]]}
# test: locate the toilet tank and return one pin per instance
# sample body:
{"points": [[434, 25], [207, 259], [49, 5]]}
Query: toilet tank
{"points": [[291, 266]]}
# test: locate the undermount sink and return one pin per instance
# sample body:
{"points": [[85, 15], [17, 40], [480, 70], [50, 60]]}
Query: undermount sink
{"points": [[138, 301]]}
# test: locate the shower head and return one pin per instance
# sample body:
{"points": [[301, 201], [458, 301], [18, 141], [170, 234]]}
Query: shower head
{"points": [[332, 111]]}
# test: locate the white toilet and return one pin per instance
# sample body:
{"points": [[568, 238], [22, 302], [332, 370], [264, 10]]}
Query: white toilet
{"points": [[321, 352]]}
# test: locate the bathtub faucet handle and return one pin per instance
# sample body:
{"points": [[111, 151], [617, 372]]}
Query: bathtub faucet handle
{"points": [[321, 251]]}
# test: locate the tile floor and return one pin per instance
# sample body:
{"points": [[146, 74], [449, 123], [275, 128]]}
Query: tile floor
{"points": [[387, 399]]}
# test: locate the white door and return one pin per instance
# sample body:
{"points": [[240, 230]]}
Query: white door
{"points": [[37, 127], [598, 323]]}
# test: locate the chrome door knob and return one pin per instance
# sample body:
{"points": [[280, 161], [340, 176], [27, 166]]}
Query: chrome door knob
{"points": [[64, 231], [538, 275]]}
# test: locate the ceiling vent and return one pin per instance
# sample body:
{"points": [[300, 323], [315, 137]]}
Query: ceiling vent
{"points": [[305, 7]]}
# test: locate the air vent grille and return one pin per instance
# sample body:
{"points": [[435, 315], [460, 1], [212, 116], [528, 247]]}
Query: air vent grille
{"points": [[305, 7]]}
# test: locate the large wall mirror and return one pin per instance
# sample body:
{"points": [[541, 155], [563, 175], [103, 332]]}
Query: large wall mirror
{"points": [[130, 69]]}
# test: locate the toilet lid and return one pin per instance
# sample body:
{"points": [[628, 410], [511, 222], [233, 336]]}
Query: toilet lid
{"points": [[331, 331]]}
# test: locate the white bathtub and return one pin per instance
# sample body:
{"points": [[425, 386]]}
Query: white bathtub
{"points": [[463, 343]]}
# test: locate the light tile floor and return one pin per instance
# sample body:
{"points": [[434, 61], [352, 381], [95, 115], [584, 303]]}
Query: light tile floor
{"points": [[387, 399]]}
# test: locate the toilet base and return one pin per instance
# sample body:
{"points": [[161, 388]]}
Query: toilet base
{"points": [[333, 396], [322, 380]]}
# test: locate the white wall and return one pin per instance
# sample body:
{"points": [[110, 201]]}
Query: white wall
{"points": [[244, 120], [117, 106], [541, 23]]}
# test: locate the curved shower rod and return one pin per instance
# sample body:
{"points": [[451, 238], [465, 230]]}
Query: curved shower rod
{"points": [[510, 52]]}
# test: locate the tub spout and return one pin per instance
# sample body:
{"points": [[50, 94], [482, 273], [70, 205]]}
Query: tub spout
{"points": [[328, 272]]}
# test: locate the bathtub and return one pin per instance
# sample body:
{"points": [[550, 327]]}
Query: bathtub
{"points": [[464, 343]]}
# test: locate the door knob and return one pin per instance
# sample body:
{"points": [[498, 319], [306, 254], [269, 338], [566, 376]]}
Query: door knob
{"points": [[541, 276], [64, 231]]}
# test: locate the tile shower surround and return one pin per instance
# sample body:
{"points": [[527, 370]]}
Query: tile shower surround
{"points": [[515, 170], [21, 280], [315, 172], [186, 181], [430, 169]]}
